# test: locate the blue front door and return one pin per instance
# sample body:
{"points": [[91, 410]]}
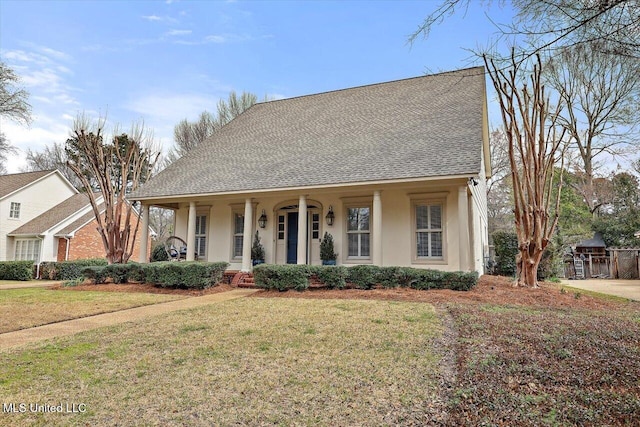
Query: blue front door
{"points": [[292, 237]]}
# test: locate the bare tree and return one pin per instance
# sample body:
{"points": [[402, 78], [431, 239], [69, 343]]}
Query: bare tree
{"points": [[118, 168], [499, 188], [542, 26], [188, 135], [600, 92], [13, 100], [5, 149], [535, 143], [52, 157]]}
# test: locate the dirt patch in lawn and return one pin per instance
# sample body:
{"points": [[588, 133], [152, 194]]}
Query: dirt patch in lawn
{"points": [[143, 288], [490, 290]]}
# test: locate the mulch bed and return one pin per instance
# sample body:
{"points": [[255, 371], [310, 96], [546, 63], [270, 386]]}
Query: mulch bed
{"points": [[490, 290]]}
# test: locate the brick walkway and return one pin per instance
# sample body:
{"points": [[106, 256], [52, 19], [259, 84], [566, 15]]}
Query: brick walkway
{"points": [[70, 327]]}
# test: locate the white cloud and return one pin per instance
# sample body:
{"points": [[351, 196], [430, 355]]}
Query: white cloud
{"points": [[152, 18], [178, 32]]}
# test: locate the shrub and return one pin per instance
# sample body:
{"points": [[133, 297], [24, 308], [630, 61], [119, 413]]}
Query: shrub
{"points": [[16, 270], [159, 253], [506, 245], [388, 277], [363, 276], [283, 277], [194, 274], [68, 270], [332, 276], [327, 252], [257, 250]]}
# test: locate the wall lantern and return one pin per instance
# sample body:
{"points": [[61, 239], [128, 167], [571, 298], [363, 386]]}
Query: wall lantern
{"points": [[330, 216], [262, 221]]}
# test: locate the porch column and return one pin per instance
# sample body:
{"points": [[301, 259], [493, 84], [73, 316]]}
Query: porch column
{"points": [[246, 236], [302, 230], [191, 232], [144, 235], [463, 228], [377, 229]]}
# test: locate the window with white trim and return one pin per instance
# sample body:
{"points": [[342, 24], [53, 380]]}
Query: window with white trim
{"points": [[14, 210], [428, 226], [201, 236], [359, 232], [238, 234], [27, 250]]}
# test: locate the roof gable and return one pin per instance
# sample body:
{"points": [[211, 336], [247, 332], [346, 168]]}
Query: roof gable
{"points": [[421, 127], [11, 183], [54, 216]]}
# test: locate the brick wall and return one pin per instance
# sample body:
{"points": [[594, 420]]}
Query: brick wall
{"points": [[87, 243], [62, 249]]}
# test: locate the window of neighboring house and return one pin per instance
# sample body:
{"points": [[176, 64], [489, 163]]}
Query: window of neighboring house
{"points": [[238, 234], [429, 230], [27, 250], [358, 232], [201, 236], [14, 210]]}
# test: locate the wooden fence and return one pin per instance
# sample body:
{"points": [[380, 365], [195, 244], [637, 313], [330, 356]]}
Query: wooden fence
{"points": [[621, 263]]}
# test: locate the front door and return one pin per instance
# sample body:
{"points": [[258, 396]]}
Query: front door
{"points": [[292, 237]]}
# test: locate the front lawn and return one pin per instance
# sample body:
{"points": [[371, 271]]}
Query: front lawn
{"points": [[29, 307], [253, 361]]}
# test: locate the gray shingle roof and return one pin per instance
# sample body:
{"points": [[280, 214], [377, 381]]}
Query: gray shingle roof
{"points": [[420, 127], [15, 181], [53, 216]]}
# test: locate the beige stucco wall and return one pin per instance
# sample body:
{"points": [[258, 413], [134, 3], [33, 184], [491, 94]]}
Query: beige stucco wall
{"points": [[34, 200], [397, 230]]}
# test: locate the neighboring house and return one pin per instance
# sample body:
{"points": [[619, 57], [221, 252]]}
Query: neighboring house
{"points": [[44, 218], [395, 171]]}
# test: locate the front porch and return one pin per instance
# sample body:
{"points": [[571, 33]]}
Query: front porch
{"points": [[431, 224]]}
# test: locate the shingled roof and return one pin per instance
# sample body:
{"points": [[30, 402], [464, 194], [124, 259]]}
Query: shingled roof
{"points": [[420, 127], [15, 181], [53, 216]]}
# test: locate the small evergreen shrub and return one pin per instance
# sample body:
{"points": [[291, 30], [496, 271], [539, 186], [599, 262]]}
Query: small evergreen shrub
{"points": [[332, 276], [16, 270], [68, 270], [506, 244], [363, 276], [327, 252], [159, 253], [257, 250], [282, 277], [192, 275]]}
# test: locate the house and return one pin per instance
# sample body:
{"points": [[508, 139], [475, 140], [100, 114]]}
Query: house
{"points": [[44, 218], [395, 171]]}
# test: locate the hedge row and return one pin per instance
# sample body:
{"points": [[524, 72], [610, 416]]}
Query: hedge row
{"points": [[284, 277], [16, 270], [194, 275], [68, 270]]}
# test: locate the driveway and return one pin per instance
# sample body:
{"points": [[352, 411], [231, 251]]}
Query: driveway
{"points": [[622, 288]]}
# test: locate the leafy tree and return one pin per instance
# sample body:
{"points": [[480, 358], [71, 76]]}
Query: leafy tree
{"points": [[535, 142], [188, 135], [622, 220], [114, 168]]}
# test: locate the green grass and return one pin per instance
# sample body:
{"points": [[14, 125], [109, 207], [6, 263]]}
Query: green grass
{"points": [[29, 307], [252, 361]]}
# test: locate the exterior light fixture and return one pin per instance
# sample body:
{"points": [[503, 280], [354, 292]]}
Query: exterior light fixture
{"points": [[330, 216], [262, 221], [473, 181]]}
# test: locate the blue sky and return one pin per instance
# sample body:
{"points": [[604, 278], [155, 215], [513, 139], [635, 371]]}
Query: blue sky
{"points": [[163, 61]]}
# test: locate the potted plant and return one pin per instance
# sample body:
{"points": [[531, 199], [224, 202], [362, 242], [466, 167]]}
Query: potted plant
{"points": [[257, 250], [327, 254]]}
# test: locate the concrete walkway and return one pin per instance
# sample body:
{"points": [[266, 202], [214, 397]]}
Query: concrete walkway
{"points": [[621, 288], [70, 327], [21, 285]]}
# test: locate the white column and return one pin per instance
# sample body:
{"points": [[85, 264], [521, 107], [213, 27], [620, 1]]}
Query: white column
{"points": [[463, 228], [246, 236], [191, 232], [144, 234], [376, 244], [302, 230]]}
